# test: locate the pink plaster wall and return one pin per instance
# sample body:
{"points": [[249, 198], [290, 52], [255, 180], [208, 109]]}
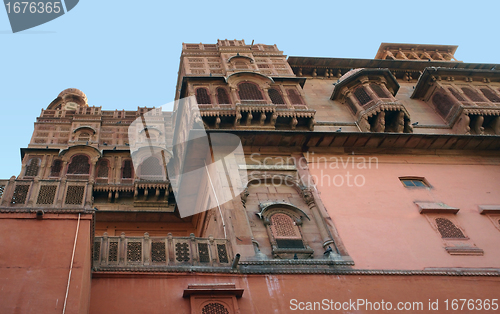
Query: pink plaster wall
{"points": [[381, 226], [34, 273]]}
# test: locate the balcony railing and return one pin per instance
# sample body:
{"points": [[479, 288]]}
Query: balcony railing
{"points": [[122, 251]]}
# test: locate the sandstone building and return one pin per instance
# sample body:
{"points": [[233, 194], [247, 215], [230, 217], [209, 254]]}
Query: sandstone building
{"points": [[364, 179]]}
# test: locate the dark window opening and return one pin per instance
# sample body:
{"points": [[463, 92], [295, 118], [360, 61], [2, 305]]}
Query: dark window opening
{"points": [[102, 168], [32, 168], [379, 91], [294, 97], [79, 165], [249, 91], [276, 97], [490, 95], [222, 96], [55, 170], [362, 96], [456, 94], [472, 94], [202, 96], [127, 169]]}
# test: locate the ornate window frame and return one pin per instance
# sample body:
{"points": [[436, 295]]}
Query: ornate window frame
{"points": [[225, 294], [267, 211], [453, 246]]}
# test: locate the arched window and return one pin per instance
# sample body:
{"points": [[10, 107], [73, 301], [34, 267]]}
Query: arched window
{"points": [[294, 97], [222, 96], [379, 91], [127, 169], [447, 229], [151, 167], [202, 97], [32, 168], [249, 91], [102, 168], [362, 96], [79, 165], [276, 97], [214, 308], [472, 94], [490, 95], [285, 232], [56, 168]]}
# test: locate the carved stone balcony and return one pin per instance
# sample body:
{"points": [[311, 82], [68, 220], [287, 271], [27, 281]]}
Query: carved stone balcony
{"points": [[159, 253], [47, 195], [258, 115]]}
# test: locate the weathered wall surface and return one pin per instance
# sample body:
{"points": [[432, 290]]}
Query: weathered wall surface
{"points": [[128, 293], [379, 222], [34, 273]]}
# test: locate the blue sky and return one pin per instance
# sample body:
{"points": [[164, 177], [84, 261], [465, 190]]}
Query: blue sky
{"points": [[125, 54]]}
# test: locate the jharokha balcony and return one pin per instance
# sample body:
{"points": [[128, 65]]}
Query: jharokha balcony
{"points": [[160, 253]]}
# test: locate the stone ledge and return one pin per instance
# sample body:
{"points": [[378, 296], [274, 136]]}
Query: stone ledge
{"points": [[435, 208]]}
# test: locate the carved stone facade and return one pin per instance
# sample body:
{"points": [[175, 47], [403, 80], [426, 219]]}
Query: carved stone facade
{"points": [[315, 213]]}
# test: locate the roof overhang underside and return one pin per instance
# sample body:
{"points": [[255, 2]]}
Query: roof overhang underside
{"points": [[415, 65], [367, 142]]}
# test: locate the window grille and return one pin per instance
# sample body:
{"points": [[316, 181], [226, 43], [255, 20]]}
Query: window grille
{"points": [[379, 91], [134, 251], [2, 188], [294, 97], [96, 251], [127, 169], [222, 96], [55, 170], [490, 95], [113, 252], [222, 252], [448, 229], [47, 194], [182, 252], [276, 97], [443, 103], [456, 94], [203, 253], [285, 232], [102, 168], [74, 194], [20, 194], [32, 168], [472, 94], [362, 96], [283, 226], [202, 96], [158, 253], [214, 308], [79, 165], [249, 91]]}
